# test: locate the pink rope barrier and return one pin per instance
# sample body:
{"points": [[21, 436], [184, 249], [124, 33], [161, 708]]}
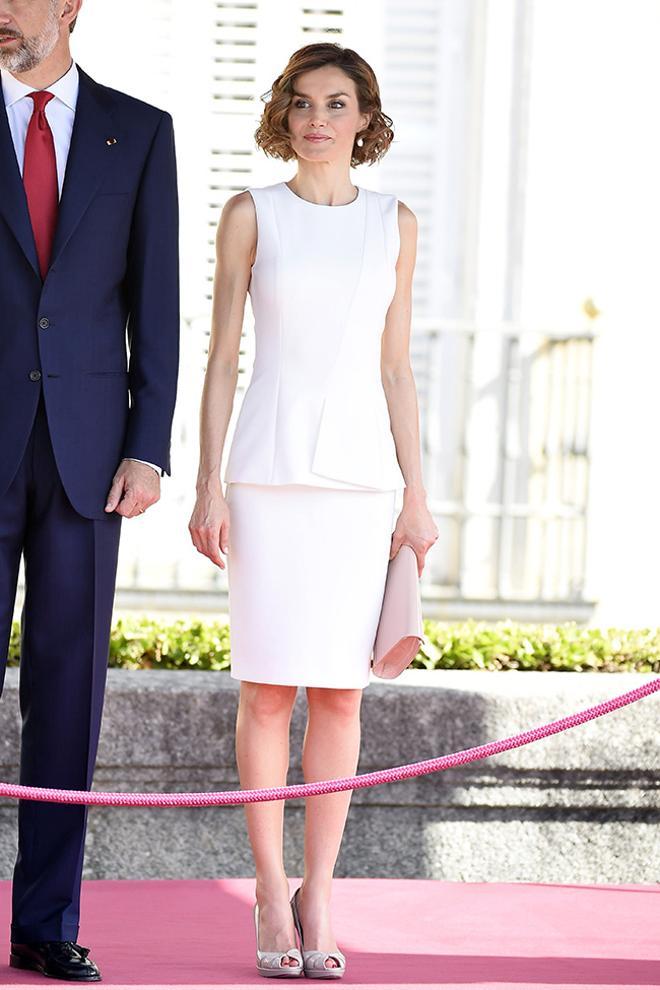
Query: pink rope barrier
{"points": [[205, 799]]}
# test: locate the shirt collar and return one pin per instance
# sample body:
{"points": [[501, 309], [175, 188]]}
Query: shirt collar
{"points": [[65, 88]]}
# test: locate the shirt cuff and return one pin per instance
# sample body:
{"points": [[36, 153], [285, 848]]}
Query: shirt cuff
{"points": [[156, 468]]}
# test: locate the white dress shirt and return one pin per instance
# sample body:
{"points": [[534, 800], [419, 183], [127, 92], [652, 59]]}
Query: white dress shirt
{"points": [[60, 113]]}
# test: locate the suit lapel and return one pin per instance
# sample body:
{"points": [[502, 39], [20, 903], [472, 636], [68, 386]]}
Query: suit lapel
{"points": [[13, 202], [90, 158]]}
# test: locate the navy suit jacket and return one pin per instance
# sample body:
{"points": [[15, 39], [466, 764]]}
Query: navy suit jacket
{"points": [[113, 281]]}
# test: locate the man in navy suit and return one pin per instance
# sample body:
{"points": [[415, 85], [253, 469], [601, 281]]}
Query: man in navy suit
{"points": [[88, 264]]}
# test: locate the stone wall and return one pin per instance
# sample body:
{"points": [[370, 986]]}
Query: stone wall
{"points": [[582, 806]]}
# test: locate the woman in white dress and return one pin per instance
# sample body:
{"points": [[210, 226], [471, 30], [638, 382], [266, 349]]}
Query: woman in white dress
{"points": [[326, 435]]}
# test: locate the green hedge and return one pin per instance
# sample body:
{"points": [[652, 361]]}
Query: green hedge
{"points": [[151, 643]]}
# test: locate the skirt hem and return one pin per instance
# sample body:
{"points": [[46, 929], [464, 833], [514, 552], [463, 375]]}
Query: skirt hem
{"points": [[263, 680]]}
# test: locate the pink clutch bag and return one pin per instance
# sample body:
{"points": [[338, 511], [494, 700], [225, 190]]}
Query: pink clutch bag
{"points": [[400, 630]]}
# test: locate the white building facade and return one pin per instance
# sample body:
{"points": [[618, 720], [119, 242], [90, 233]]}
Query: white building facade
{"points": [[516, 140]]}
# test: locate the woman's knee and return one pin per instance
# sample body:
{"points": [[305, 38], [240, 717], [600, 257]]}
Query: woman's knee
{"points": [[264, 701], [337, 702]]}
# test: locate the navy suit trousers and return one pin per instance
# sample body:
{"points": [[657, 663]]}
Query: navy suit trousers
{"points": [[70, 570]]}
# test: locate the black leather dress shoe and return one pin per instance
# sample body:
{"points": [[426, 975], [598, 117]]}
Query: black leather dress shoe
{"points": [[63, 960]]}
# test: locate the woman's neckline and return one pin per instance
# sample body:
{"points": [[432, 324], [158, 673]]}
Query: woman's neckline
{"points": [[325, 206]]}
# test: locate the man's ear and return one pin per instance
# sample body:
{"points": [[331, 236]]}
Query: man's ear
{"points": [[69, 9]]}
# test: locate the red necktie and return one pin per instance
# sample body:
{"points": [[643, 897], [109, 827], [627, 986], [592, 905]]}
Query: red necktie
{"points": [[40, 178]]}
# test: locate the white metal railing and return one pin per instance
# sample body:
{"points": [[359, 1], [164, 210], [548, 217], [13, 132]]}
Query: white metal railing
{"points": [[505, 419]]}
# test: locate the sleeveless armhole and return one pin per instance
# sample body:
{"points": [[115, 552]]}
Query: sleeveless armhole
{"points": [[397, 233], [255, 194], [390, 213]]}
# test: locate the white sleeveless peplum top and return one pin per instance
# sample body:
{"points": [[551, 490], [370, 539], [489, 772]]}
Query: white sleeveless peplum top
{"points": [[315, 411]]}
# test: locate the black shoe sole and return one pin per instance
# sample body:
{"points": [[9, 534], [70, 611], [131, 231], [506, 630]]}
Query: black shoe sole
{"points": [[18, 962]]}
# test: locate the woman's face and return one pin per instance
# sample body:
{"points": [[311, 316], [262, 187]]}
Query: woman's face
{"points": [[324, 116]]}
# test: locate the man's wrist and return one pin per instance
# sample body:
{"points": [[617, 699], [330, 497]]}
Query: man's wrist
{"points": [[139, 460]]}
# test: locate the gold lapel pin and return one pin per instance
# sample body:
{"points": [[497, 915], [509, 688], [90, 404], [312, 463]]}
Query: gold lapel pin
{"points": [[111, 140]]}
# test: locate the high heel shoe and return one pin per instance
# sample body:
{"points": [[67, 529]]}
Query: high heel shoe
{"points": [[271, 963], [314, 960]]}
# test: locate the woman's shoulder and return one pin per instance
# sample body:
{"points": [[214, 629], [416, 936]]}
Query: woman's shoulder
{"points": [[238, 207], [390, 200], [392, 206], [267, 190], [381, 193], [242, 201]]}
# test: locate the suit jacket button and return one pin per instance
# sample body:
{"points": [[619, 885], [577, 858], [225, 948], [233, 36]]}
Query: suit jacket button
{"points": [[44, 322], [35, 376]]}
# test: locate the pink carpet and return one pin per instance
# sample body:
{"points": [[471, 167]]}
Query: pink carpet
{"points": [[198, 934]]}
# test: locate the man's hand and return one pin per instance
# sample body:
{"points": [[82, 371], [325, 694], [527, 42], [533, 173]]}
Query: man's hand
{"points": [[134, 488]]}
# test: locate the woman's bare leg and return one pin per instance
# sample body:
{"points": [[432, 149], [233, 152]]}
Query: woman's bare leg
{"points": [[262, 756], [331, 748]]}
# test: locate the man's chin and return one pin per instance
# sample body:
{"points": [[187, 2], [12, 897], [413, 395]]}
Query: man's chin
{"points": [[14, 58]]}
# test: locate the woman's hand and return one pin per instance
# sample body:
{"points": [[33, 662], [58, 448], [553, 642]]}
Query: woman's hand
{"points": [[209, 524], [414, 526]]}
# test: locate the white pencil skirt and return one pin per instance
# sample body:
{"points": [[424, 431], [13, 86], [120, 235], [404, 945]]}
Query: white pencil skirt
{"points": [[306, 570]]}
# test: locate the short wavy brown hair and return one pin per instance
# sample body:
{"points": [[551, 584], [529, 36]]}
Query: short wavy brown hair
{"points": [[272, 134]]}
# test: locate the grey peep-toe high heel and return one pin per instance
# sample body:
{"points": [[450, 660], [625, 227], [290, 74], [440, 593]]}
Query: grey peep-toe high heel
{"points": [[271, 962], [314, 959]]}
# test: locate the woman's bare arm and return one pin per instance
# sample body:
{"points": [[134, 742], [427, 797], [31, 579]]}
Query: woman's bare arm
{"points": [[396, 372], [236, 241], [415, 524], [235, 246]]}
